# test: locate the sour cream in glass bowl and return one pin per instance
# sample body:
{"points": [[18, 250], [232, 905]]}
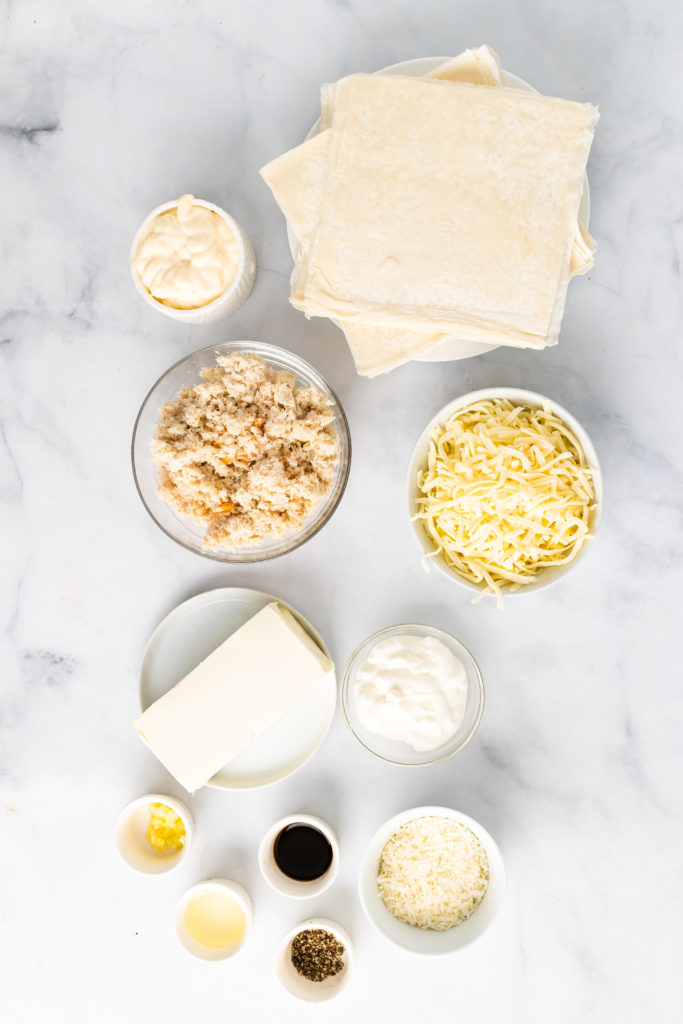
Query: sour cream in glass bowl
{"points": [[402, 684]]}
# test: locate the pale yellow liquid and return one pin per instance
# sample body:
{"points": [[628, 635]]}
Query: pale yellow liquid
{"points": [[215, 919]]}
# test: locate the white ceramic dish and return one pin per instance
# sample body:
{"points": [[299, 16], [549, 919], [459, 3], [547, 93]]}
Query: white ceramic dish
{"points": [[188, 635], [419, 457], [453, 347], [421, 940], [302, 988], [231, 299], [198, 949], [283, 883], [394, 751], [130, 835]]}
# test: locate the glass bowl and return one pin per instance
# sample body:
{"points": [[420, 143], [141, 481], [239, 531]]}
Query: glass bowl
{"points": [[394, 751], [186, 373]]}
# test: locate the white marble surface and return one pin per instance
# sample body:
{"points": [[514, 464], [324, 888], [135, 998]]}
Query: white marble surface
{"points": [[107, 110]]}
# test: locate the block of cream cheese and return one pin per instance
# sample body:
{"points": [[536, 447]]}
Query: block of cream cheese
{"points": [[234, 695]]}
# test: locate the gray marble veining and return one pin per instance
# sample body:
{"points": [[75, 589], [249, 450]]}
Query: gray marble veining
{"points": [[107, 110]]}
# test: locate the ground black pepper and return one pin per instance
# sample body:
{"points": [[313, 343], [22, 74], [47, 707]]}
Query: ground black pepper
{"points": [[317, 954]]}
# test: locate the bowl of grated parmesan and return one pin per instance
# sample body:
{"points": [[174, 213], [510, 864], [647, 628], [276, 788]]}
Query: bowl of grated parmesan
{"points": [[432, 880], [504, 492]]}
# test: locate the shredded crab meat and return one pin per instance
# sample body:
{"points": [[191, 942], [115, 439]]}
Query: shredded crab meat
{"points": [[247, 453]]}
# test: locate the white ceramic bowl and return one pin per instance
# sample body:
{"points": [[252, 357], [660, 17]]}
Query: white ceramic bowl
{"points": [[394, 751], [419, 458], [296, 984], [421, 940], [283, 883], [130, 834], [231, 299], [197, 949]]}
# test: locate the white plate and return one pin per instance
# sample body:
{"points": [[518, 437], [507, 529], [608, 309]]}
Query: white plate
{"points": [[188, 635], [453, 347]]}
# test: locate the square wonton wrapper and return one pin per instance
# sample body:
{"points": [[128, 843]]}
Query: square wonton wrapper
{"points": [[446, 207]]}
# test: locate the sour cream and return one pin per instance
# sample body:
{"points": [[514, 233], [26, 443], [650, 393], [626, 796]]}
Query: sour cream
{"points": [[412, 689], [188, 255]]}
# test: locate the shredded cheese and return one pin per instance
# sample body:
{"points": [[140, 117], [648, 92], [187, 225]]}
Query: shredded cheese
{"points": [[433, 873], [506, 493]]}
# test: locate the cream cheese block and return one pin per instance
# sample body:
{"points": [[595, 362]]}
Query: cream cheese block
{"points": [[233, 696]]}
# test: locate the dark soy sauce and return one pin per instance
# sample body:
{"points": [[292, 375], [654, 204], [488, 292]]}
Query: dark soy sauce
{"points": [[302, 852]]}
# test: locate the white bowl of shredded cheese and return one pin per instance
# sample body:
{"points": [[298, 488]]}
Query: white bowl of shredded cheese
{"points": [[433, 872], [504, 491]]}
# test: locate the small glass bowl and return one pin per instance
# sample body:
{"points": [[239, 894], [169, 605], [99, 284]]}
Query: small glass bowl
{"points": [[186, 374], [394, 751]]}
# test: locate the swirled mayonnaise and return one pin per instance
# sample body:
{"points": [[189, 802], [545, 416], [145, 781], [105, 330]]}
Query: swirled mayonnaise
{"points": [[188, 256], [412, 689]]}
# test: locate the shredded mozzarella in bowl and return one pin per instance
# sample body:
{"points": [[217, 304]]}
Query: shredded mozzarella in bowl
{"points": [[506, 493]]}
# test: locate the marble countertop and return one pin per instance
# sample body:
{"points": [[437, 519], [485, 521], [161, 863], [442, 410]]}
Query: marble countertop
{"points": [[107, 110]]}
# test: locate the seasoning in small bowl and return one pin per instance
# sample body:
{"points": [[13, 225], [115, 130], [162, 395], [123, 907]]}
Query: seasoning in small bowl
{"points": [[314, 960], [299, 856], [317, 954]]}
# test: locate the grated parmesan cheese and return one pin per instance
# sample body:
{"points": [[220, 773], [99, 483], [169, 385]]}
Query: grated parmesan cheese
{"points": [[433, 873], [506, 493]]}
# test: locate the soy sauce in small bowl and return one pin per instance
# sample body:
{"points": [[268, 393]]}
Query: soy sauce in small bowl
{"points": [[299, 855], [302, 852]]}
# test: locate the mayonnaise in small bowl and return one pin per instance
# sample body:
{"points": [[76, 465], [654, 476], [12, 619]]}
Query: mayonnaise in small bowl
{"points": [[192, 261]]}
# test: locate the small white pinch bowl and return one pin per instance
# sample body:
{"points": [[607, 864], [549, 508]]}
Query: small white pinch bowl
{"points": [[198, 949], [296, 984], [281, 882], [130, 833], [420, 940], [418, 460], [231, 299]]}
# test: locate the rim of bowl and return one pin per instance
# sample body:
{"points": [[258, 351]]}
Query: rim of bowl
{"points": [[314, 887], [534, 399], [131, 808], [177, 312], [340, 933], [241, 896], [391, 825], [433, 630], [266, 352]]}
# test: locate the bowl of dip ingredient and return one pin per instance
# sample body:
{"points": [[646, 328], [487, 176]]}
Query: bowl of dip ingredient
{"points": [[432, 880], [191, 260], [299, 856], [504, 492], [153, 833], [314, 960], [412, 695], [213, 919], [241, 452]]}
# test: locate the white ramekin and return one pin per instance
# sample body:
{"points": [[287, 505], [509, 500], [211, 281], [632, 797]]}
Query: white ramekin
{"points": [[281, 882], [295, 983], [188, 940], [131, 835], [231, 299]]}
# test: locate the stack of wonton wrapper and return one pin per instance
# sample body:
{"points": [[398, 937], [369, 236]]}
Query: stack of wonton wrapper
{"points": [[437, 207]]}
